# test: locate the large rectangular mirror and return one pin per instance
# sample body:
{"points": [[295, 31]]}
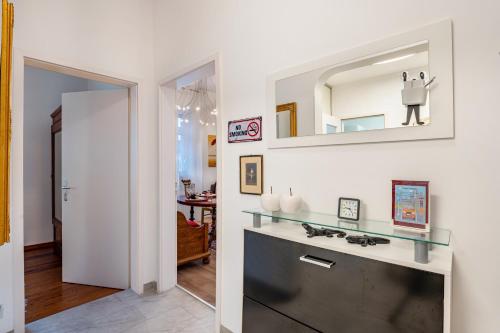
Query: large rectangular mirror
{"points": [[399, 88]]}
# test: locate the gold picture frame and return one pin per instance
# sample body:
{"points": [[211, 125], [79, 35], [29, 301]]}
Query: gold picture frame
{"points": [[292, 107], [5, 80], [251, 174]]}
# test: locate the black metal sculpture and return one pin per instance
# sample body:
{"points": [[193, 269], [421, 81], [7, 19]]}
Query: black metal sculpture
{"points": [[312, 232], [367, 240]]}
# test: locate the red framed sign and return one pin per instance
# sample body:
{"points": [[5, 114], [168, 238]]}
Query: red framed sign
{"points": [[410, 204], [245, 130]]}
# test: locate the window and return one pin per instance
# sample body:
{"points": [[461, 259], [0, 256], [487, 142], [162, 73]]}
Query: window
{"points": [[330, 129], [363, 123]]}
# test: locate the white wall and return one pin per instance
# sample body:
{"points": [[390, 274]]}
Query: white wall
{"points": [[114, 36], [42, 96], [463, 171], [6, 288]]}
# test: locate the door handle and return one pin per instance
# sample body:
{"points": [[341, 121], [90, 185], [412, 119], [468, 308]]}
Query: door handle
{"points": [[317, 261], [67, 188]]}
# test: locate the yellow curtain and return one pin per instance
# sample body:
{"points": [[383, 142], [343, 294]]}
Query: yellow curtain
{"points": [[5, 78]]}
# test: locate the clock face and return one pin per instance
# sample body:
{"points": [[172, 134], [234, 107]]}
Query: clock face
{"points": [[349, 209]]}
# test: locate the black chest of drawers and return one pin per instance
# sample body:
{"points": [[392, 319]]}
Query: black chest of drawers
{"points": [[329, 291]]}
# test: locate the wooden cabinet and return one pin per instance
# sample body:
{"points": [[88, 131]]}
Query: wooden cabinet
{"points": [[57, 236], [56, 178], [329, 291], [261, 319]]}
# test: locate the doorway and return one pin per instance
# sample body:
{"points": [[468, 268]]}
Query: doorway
{"points": [[190, 196], [77, 198], [196, 179]]}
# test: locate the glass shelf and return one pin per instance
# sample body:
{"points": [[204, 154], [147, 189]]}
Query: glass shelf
{"points": [[436, 236]]}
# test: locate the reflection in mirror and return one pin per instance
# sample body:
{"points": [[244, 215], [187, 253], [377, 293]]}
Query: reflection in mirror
{"points": [[382, 91], [286, 120]]}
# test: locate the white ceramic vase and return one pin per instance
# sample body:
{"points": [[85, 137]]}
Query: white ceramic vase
{"points": [[270, 202], [290, 203]]}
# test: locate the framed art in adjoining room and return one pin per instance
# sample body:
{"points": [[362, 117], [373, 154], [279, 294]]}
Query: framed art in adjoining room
{"points": [[410, 204], [251, 174], [212, 151]]}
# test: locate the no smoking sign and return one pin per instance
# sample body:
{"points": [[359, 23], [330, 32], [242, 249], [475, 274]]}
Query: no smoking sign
{"points": [[245, 130]]}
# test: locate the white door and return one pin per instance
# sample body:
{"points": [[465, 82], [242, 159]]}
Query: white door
{"points": [[95, 182]]}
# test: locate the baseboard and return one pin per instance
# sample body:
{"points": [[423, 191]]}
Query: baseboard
{"points": [[150, 288], [39, 246], [224, 329]]}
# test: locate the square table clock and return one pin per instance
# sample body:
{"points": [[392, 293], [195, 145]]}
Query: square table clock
{"points": [[349, 209]]}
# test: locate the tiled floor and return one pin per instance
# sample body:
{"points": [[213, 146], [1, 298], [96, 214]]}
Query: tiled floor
{"points": [[125, 312]]}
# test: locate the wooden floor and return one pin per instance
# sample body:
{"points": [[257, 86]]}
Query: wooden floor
{"points": [[46, 294], [199, 278]]}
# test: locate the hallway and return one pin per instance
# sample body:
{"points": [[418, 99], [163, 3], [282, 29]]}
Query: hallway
{"points": [[126, 312]]}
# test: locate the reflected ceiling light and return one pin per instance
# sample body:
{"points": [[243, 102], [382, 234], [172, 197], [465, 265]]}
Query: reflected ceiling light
{"points": [[199, 96], [394, 59], [186, 120]]}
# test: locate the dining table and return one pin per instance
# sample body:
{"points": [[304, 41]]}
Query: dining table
{"points": [[203, 202]]}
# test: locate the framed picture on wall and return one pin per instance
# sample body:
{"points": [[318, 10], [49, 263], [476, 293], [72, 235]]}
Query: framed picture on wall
{"points": [[410, 204], [251, 174], [212, 151]]}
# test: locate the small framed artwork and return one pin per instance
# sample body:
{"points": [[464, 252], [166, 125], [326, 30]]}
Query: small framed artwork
{"points": [[212, 151], [348, 209], [410, 204], [251, 174]]}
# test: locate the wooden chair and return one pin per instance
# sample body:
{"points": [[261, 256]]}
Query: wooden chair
{"points": [[213, 225], [206, 211], [192, 242]]}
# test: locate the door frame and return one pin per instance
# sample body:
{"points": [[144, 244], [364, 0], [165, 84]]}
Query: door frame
{"points": [[135, 86], [167, 227]]}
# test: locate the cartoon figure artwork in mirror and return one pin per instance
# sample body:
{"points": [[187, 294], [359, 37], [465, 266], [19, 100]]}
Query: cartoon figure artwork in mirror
{"points": [[414, 95]]}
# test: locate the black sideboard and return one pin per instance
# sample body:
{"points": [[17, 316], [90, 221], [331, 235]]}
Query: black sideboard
{"points": [[294, 287]]}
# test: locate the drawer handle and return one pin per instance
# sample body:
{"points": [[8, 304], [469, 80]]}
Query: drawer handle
{"points": [[317, 261]]}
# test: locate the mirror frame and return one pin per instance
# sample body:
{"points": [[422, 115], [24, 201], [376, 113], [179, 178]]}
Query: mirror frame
{"points": [[292, 107], [439, 38]]}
